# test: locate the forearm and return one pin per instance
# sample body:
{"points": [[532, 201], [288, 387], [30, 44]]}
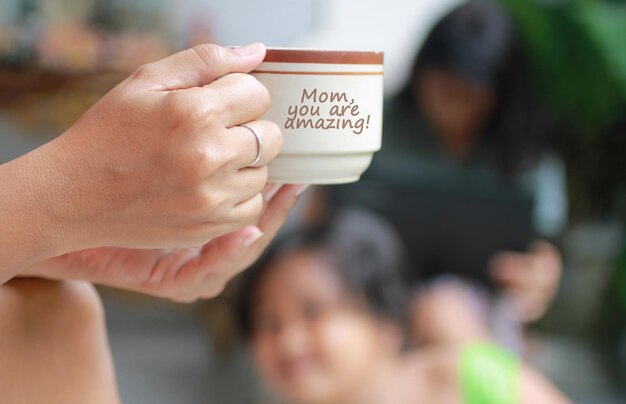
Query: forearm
{"points": [[29, 231]]}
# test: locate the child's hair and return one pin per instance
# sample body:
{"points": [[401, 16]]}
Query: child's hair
{"points": [[479, 42], [361, 248]]}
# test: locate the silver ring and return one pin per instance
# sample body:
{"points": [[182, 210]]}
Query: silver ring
{"points": [[259, 143]]}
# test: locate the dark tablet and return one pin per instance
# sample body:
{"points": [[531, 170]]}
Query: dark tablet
{"points": [[446, 231]]}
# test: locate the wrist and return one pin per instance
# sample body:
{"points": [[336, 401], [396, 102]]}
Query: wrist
{"points": [[33, 211], [23, 238], [60, 188]]}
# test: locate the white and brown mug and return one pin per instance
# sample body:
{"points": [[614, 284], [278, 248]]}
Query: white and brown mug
{"points": [[329, 106]]}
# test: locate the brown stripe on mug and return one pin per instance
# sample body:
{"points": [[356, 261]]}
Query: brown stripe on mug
{"points": [[319, 73], [323, 57]]}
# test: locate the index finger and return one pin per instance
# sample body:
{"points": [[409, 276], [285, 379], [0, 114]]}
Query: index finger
{"points": [[199, 66]]}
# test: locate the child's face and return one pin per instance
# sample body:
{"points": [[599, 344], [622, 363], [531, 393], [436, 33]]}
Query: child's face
{"points": [[312, 342]]}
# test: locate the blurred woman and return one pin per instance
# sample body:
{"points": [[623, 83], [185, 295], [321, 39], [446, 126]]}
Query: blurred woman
{"points": [[324, 312], [463, 176]]}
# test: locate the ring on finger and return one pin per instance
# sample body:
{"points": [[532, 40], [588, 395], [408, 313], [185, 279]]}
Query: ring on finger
{"points": [[259, 143]]}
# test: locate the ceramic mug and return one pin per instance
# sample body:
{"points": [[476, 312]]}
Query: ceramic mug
{"points": [[329, 106]]}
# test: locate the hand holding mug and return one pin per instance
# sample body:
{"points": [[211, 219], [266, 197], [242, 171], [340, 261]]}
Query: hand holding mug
{"points": [[160, 161]]}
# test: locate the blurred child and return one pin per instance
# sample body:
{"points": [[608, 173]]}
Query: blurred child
{"points": [[324, 313]]}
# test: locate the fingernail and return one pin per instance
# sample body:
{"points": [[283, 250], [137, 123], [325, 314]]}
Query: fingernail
{"points": [[299, 190], [270, 191], [252, 237], [251, 49]]}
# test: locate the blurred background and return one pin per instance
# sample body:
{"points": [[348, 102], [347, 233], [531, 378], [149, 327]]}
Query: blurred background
{"points": [[562, 180]]}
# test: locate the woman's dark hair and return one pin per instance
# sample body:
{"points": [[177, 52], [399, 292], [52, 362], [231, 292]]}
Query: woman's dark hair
{"points": [[479, 42], [364, 251]]}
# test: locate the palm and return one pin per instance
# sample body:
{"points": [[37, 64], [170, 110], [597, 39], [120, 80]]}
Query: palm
{"points": [[136, 266], [182, 274]]}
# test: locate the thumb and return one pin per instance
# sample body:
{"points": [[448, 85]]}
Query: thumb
{"points": [[200, 66]]}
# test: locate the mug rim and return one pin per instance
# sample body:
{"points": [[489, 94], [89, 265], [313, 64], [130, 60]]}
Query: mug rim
{"points": [[323, 56]]}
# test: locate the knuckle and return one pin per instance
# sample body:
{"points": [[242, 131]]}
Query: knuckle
{"points": [[143, 72], [201, 162], [227, 153], [276, 134], [184, 109], [194, 113], [200, 206], [263, 177], [209, 54], [258, 209], [207, 204], [261, 93], [174, 107], [246, 214], [255, 91], [255, 208]]}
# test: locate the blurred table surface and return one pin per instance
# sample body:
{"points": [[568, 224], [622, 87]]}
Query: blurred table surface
{"points": [[17, 81]]}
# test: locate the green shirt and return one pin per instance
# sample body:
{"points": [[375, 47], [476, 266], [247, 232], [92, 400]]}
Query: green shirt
{"points": [[489, 375]]}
